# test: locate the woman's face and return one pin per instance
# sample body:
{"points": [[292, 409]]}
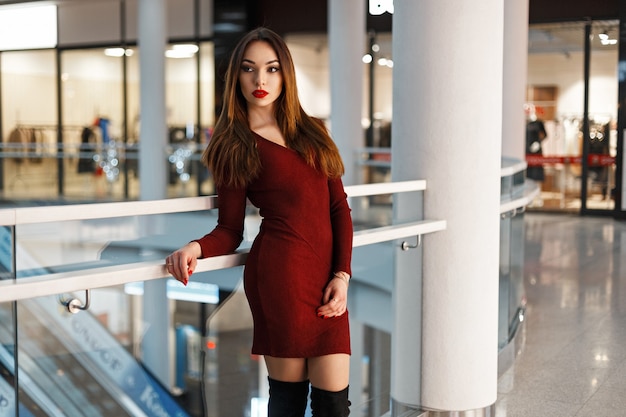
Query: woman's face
{"points": [[260, 77]]}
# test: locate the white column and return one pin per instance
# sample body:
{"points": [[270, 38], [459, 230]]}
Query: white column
{"points": [[447, 129], [346, 45], [347, 42], [152, 175], [515, 74], [153, 136]]}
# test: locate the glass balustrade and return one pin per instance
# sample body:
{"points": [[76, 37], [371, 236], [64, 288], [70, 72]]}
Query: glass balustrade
{"points": [[90, 363]]}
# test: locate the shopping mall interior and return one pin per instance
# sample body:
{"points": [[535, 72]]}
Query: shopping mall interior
{"points": [[78, 139], [78, 231]]}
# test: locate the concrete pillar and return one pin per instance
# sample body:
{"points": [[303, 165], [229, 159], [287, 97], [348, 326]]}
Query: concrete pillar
{"points": [[346, 45], [447, 129], [152, 36], [347, 42], [515, 74]]}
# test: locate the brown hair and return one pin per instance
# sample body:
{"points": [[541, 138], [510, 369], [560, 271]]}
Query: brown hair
{"points": [[231, 154]]}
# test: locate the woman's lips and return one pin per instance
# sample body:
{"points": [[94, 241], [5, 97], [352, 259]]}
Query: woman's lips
{"points": [[259, 93]]}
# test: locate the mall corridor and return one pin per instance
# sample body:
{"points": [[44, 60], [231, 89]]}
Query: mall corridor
{"points": [[572, 359]]}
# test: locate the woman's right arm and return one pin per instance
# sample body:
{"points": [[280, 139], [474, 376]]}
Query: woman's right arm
{"points": [[224, 239]]}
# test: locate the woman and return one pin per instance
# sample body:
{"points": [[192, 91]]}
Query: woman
{"points": [[265, 148]]}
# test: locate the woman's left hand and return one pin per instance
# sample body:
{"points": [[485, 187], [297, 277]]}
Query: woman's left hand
{"points": [[335, 299]]}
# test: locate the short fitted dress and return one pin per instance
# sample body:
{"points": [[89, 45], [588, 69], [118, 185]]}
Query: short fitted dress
{"points": [[305, 236]]}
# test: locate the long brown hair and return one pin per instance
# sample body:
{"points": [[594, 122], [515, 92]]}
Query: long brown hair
{"points": [[231, 154]]}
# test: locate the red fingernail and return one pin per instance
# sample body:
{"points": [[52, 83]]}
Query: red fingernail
{"points": [[190, 272], [185, 282]]}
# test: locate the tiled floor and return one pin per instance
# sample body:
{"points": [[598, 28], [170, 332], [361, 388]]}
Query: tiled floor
{"points": [[572, 360]]}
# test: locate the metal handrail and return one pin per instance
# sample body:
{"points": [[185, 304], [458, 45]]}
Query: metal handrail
{"points": [[530, 191], [33, 215], [46, 214], [51, 284]]}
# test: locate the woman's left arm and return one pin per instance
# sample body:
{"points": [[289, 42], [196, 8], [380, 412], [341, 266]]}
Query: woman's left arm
{"points": [[335, 297], [341, 221]]}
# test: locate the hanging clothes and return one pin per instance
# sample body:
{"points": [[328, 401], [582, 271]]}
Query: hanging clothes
{"points": [[36, 145], [19, 139], [87, 146]]}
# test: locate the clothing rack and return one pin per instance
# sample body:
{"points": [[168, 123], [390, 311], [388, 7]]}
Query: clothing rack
{"points": [[47, 126]]}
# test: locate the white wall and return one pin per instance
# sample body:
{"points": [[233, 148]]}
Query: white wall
{"points": [[312, 76], [566, 72], [310, 55]]}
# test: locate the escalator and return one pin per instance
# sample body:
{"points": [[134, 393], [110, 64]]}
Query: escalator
{"points": [[70, 365], [27, 407]]}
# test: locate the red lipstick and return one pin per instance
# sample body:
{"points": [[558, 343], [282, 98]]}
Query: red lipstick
{"points": [[259, 93]]}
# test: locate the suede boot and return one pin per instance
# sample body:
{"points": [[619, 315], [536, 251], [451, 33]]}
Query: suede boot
{"points": [[330, 404], [287, 399]]}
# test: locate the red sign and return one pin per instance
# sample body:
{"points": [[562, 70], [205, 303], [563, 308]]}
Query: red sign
{"points": [[593, 160]]}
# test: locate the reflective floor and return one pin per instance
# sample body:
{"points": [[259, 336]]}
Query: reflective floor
{"points": [[572, 359]]}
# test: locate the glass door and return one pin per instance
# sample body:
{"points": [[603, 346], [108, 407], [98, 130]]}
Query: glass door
{"points": [[600, 130], [571, 112]]}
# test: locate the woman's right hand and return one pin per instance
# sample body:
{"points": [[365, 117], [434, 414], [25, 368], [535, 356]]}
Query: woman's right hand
{"points": [[182, 262]]}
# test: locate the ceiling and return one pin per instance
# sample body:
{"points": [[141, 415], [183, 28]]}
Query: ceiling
{"points": [[567, 37], [556, 26]]}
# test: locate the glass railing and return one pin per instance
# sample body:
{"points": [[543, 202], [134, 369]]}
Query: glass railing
{"points": [[77, 306], [86, 172], [516, 194], [77, 310]]}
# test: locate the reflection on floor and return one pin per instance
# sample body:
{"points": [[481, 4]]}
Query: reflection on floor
{"points": [[573, 355], [559, 202]]}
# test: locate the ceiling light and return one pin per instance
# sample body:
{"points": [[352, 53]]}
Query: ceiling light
{"points": [[603, 36], [385, 62], [117, 52], [182, 51], [28, 27]]}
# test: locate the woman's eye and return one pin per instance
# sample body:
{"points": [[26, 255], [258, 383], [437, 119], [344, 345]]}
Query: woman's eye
{"points": [[246, 69], [274, 69]]}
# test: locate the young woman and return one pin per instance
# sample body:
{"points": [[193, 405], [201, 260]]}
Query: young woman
{"points": [[265, 148]]}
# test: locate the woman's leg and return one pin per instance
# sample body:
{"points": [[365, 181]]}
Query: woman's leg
{"points": [[286, 369], [329, 372], [329, 377], [289, 387]]}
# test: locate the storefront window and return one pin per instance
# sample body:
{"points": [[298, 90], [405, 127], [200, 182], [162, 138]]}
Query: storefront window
{"points": [[92, 111], [181, 97], [29, 124], [555, 112], [94, 154]]}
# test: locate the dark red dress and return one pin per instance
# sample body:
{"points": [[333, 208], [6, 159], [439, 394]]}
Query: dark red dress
{"points": [[305, 235]]}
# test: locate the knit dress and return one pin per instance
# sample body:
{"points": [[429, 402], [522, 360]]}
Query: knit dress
{"points": [[305, 236]]}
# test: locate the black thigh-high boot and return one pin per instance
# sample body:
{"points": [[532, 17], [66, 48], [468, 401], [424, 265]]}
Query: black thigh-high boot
{"points": [[330, 404], [287, 399]]}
